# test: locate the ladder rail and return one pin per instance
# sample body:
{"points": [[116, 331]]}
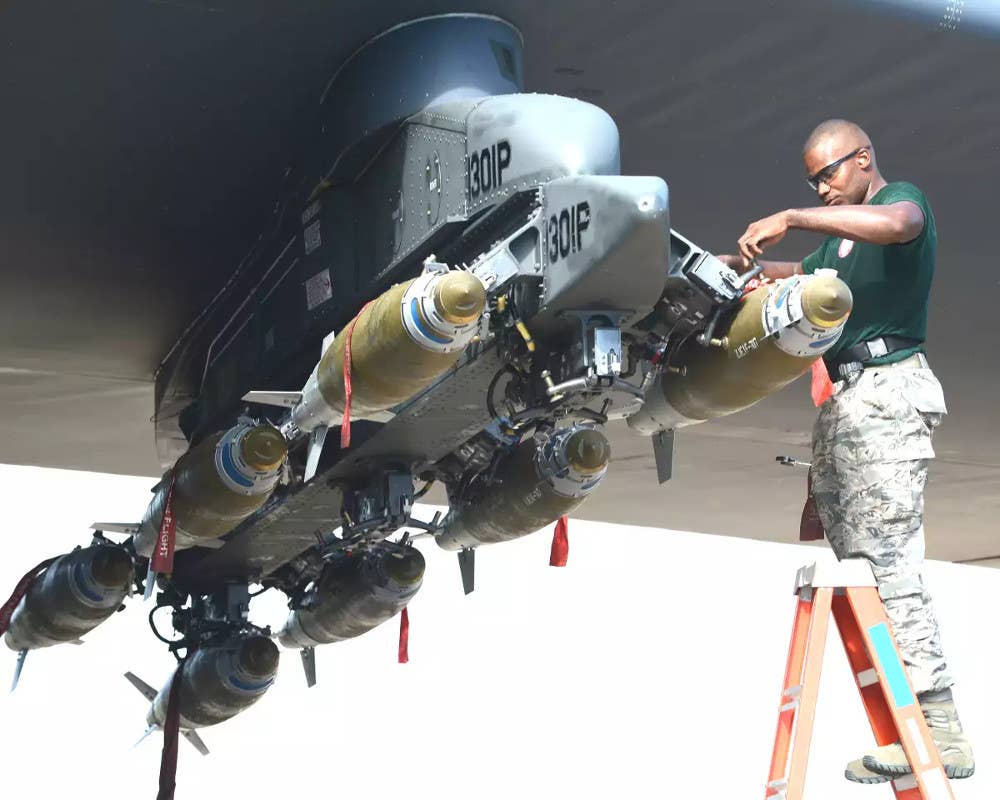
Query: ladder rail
{"points": [[793, 678], [806, 713], [905, 717], [796, 713], [865, 676]]}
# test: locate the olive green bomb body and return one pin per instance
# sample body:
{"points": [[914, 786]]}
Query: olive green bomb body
{"points": [[535, 483], [387, 366], [400, 342], [216, 485], [75, 594], [773, 336]]}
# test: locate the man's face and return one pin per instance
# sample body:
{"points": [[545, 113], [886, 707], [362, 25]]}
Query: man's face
{"points": [[843, 183]]}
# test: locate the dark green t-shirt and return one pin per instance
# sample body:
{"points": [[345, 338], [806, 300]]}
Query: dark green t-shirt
{"points": [[891, 284]]}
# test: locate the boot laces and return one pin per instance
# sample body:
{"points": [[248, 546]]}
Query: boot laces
{"points": [[942, 719]]}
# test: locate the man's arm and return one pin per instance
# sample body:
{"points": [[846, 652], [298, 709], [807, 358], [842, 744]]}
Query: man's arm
{"points": [[896, 223], [780, 269], [772, 269], [892, 224]]}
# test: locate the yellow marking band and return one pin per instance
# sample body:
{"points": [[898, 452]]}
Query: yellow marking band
{"points": [[523, 330]]}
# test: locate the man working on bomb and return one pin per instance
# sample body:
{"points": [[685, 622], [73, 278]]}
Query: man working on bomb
{"points": [[872, 439]]}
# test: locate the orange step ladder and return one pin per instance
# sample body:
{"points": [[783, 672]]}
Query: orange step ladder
{"points": [[848, 589]]}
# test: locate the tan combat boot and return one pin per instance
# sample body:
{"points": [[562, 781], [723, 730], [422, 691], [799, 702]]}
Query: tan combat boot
{"points": [[858, 773], [885, 763]]}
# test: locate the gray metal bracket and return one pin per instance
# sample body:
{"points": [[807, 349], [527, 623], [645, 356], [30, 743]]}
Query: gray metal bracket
{"points": [[467, 566], [663, 453], [592, 319], [835, 575], [309, 665]]}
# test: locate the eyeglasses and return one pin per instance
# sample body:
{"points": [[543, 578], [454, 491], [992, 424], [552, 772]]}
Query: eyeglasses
{"points": [[826, 174]]}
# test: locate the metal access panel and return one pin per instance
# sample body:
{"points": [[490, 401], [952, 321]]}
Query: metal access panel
{"points": [[520, 141], [410, 190], [405, 71], [317, 283], [605, 245]]}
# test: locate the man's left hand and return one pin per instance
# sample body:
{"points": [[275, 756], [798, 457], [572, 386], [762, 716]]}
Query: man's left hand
{"points": [[762, 234]]}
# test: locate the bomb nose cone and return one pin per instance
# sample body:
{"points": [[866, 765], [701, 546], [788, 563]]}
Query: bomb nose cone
{"points": [[405, 568], [112, 567], [588, 451], [263, 448], [258, 656], [459, 297], [826, 300]]}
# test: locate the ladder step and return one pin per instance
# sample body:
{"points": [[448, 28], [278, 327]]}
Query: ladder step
{"points": [[790, 706], [936, 784], [795, 691], [867, 678], [922, 755]]}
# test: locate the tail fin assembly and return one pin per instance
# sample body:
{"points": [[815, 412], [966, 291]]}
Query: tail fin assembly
{"points": [[191, 736], [280, 399], [316, 440], [144, 688], [21, 656], [142, 738], [195, 740], [309, 665], [150, 693], [129, 528]]}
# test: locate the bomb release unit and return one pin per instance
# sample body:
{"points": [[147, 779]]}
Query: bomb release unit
{"points": [[459, 287]]}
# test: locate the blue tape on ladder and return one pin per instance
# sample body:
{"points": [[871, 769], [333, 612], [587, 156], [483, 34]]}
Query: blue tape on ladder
{"points": [[891, 665]]}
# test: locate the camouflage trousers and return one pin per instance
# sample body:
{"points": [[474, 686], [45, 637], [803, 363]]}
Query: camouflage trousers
{"points": [[871, 448]]}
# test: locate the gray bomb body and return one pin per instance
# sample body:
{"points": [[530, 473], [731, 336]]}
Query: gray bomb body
{"points": [[218, 682], [355, 594], [74, 595], [534, 485]]}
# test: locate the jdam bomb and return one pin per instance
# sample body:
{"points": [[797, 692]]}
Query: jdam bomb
{"points": [[74, 595], [399, 343], [355, 593], [392, 349], [216, 485], [216, 682], [775, 333], [535, 483]]}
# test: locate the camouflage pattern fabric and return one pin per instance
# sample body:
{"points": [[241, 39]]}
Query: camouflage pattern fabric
{"points": [[871, 447]]}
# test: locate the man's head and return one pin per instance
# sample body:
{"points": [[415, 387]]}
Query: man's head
{"points": [[840, 162]]}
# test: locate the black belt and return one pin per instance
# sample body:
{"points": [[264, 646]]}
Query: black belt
{"points": [[854, 358]]}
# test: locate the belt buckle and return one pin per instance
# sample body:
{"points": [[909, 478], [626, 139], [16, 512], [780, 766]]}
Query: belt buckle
{"points": [[877, 348], [849, 369]]}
